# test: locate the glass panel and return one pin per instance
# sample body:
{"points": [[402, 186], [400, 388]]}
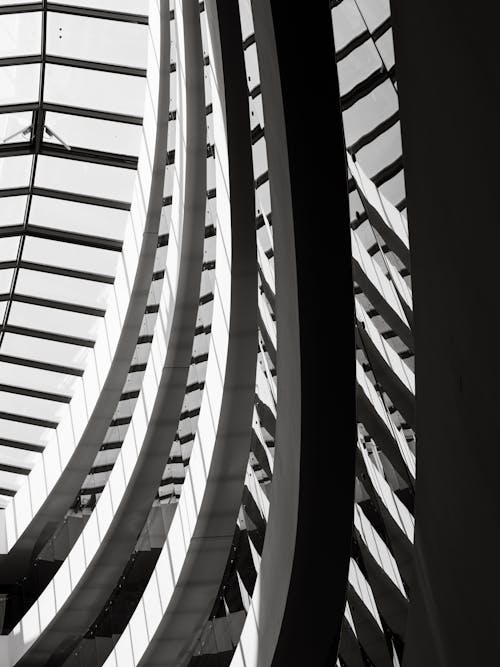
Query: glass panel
{"points": [[347, 23], [28, 406], [8, 248], [61, 288], [24, 432], [97, 40], [52, 320], [94, 90], [356, 67], [47, 351], [13, 124], [12, 481], [131, 6], [84, 178], [18, 457], [35, 378], [96, 134], [15, 171], [374, 13], [5, 280], [70, 255], [20, 34], [383, 150], [19, 83], [83, 218], [369, 111], [12, 210]]}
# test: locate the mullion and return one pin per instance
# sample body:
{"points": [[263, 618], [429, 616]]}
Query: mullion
{"points": [[21, 9], [49, 335], [96, 66], [125, 17], [108, 14], [92, 156], [25, 419], [61, 271], [41, 365], [72, 111], [89, 155], [36, 58], [78, 198], [35, 393], [63, 236], [57, 305]]}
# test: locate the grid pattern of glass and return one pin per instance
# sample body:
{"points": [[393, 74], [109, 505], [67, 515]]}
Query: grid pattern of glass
{"points": [[72, 85]]}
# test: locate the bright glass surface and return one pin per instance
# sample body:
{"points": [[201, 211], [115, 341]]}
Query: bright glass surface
{"points": [[90, 89], [34, 378], [100, 135], [8, 248], [63, 277], [12, 210], [20, 34], [28, 406], [61, 288], [12, 123], [19, 83], [84, 178], [11, 430], [69, 255], [15, 171], [71, 216], [5, 280], [53, 320], [45, 351], [96, 40]]}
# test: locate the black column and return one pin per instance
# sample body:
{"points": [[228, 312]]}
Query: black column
{"points": [[316, 596], [447, 72]]}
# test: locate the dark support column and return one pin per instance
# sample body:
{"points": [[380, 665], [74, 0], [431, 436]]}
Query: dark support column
{"points": [[306, 554], [447, 72]]}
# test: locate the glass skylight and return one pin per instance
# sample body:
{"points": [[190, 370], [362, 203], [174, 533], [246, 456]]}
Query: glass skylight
{"points": [[72, 86]]}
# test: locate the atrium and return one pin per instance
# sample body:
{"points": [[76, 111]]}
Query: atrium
{"points": [[248, 258]]}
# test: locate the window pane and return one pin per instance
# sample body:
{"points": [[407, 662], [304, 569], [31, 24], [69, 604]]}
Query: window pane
{"points": [[70, 256], [97, 40], [29, 406], [12, 123], [20, 34], [84, 178], [96, 134], [94, 90], [61, 288], [19, 83], [9, 247], [47, 351], [15, 171], [75, 217], [5, 280], [24, 432], [53, 320], [12, 210], [36, 378]]}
